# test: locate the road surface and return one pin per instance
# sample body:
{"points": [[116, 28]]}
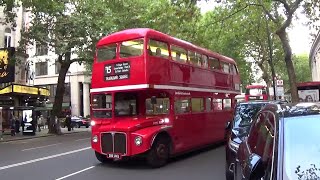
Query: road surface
{"points": [[70, 157]]}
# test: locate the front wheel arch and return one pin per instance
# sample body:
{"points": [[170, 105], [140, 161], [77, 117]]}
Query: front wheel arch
{"points": [[162, 134]]}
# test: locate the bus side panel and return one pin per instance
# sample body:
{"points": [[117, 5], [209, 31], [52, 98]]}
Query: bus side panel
{"points": [[158, 71], [223, 80]]}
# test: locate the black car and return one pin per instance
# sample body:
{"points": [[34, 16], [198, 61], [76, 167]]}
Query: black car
{"points": [[238, 129], [282, 144]]}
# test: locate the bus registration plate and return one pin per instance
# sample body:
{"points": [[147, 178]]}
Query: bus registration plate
{"points": [[115, 156]]}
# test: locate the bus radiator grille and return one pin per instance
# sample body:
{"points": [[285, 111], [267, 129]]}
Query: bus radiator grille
{"points": [[114, 143]]}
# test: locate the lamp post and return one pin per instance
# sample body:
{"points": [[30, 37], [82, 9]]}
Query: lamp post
{"points": [[271, 61]]}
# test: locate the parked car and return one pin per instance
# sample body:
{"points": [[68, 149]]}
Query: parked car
{"points": [[282, 144], [78, 121], [238, 129]]}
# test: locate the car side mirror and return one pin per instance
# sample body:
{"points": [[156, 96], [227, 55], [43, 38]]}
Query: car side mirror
{"points": [[253, 169]]}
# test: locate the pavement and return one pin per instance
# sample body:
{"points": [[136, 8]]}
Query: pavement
{"points": [[43, 133], [70, 157]]}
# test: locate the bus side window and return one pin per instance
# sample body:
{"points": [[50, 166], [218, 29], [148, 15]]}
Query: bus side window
{"points": [[214, 63], [227, 104], [198, 58], [158, 49], [217, 104], [182, 106], [204, 61], [234, 69], [208, 104], [192, 57], [225, 67], [197, 104], [178, 54]]}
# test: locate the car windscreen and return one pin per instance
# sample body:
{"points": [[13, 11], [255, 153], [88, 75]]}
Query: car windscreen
{"points": [[301, 147], [245, 113]]}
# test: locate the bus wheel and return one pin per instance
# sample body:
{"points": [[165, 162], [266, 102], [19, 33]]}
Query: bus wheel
{"points": [[102, 158], [159, 153]]}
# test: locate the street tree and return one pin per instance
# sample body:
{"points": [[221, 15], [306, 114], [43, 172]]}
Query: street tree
{"points": [[71, 28], [281, 13]]}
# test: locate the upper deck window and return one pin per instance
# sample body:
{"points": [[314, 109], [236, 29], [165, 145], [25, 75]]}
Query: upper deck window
{"points": [[106, 52], [204, 61], [178, 54], [214, 63], [158, 48], [194, 58], [131, 48], [225, 67]]}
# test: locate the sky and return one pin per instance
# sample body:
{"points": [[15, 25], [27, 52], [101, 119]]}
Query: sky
{"points": [[299, 34]]}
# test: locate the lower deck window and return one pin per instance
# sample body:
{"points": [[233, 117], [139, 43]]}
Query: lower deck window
{"points": [[161, 106], [182, 106], [102, 105]]}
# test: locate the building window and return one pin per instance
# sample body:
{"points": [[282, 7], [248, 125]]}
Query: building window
{"points": [[41, 49], [41, 68], [7, 37], [58, 67]]}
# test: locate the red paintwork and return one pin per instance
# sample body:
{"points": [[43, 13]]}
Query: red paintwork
{"points": [[255, 87], [188, 130], [311, 83]]}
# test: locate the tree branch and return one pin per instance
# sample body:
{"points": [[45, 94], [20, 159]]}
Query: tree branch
{"points": [[285, 4], [268, 12], [289, 16]]}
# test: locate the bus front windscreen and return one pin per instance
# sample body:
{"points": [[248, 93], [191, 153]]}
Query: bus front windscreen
{"points": [[126, 104]]}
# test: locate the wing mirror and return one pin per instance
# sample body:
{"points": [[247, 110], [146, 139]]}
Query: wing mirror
{"points": [[253, 169]]}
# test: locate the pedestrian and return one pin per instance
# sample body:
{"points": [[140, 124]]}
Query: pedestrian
{"points": [[39, 123], [17, 125], [68, 122], [1, 131], [22, 122], [12, 126]]}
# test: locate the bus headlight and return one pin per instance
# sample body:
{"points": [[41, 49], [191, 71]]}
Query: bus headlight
{"points": [[92, 123], [95, 139], [138, 141]]}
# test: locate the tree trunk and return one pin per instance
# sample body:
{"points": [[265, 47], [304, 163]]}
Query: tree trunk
{"points": [[290, 67], [54, 127]]}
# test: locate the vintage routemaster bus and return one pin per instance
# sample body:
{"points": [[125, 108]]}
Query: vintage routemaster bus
{"points": [[157, 96], [256, 92]]}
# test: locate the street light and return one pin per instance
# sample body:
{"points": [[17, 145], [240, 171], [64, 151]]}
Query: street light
{"points": [[271, 61]]}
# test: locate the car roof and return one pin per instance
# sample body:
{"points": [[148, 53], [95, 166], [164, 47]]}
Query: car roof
{"points": [[294, 109], [255, 102]]}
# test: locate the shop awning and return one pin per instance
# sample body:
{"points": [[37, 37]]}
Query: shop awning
{"points": [[24, 90]]}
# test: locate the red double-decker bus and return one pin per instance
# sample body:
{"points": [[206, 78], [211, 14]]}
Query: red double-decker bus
{"points": [[256, 92], [157, 96]]}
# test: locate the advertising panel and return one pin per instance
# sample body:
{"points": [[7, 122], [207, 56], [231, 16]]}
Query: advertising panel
{"points": [[308, 95], [7, 68]]}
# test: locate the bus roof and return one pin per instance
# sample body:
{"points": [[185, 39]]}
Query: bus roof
{"points": [[255, 86], [136, 33], [311, 83]]}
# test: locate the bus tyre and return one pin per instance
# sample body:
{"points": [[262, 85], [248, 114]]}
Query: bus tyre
{"points": [[102, 158], [159, 153]]}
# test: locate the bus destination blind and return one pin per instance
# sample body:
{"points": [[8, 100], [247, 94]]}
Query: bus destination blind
{"points": [[117, 71]]}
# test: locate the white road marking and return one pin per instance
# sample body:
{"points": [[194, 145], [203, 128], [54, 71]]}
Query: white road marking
{"points": [[40, 147], [75, 173], [82, 139], [43, 158]]}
